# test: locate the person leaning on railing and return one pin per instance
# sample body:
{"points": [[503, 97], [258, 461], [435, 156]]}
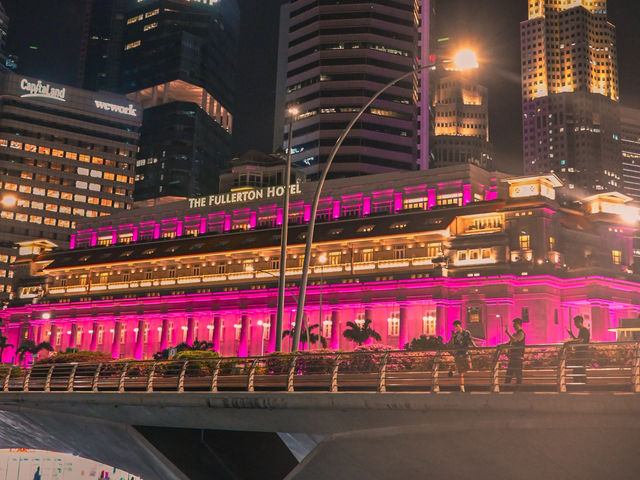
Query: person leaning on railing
{"points": [[461, 340], [516, 345], [581, 352]]}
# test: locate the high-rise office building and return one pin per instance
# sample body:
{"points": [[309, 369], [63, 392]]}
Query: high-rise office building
{"points": [[65, 154], [101, 48], [461, 122], [338, 55], [570, 93], [630, 145], [178, 62]]}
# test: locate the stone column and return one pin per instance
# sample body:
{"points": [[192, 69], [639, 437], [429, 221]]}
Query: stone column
{"points": [[190, 322], [403, 337], [115, 347], [368, 315], [74, 335], [272, 333], [53, 335], [335, 330], [441, 322], [164, 333], [600, 324], [243, 348], [217, 327], [139, 353], [94, 337]]}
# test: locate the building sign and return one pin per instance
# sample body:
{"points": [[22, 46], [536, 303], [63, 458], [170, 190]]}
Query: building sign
{"points": [[111, 107], [243, 196], [41, 90]]}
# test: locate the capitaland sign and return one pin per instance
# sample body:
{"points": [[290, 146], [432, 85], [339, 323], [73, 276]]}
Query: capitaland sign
{"points": [[121, 109], [243, 196], [42, 90]]}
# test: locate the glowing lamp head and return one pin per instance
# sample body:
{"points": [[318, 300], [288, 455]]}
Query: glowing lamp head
{"points": [[322, 258], [465, 60], [9, 201], [293, 111]]}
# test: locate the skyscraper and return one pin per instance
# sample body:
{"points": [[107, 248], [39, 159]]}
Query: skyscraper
{"points": [[570, 93], [339, 54], [461, 122], [178, 62], [630, 143]]}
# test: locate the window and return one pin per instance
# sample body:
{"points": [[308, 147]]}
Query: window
{"points": [[434, 249], [126, 277], [123, 334], [148, 275], [393, 324], [326, 326], [247, 266], [238, 330], [429, 324], [552, 243], [616, 256], [100, 335], [171, 273], [474, 314], [103, 277], [525, 241], [366, 255], [221, 269], [335, 258], [196, 270], [83, 279], [275, 264], [399, 252], [524, 314]]}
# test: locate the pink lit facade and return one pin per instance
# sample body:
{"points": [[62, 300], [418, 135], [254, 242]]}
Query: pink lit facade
{"points": [[413, 271]]}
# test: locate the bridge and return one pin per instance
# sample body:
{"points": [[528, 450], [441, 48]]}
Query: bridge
{"points": [[379, 414]]}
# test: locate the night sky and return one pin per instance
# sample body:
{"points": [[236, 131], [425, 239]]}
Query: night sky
{"points": [[492, 26]]}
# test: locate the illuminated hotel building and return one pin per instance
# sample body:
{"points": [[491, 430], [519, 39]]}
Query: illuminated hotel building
{"points": [[570, 93], [338, 55], [411, 253], [460, 107], [178, 61], [66, 154]]}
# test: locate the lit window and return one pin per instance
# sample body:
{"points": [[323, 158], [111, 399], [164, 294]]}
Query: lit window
{"points": [[429, 324], [393, 324], [335, 258], [399, 252], [131, 45], [84, 158], [616, 256], [525, 241], [367, 255], [66, 196]]}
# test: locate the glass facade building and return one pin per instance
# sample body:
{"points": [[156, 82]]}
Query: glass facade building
{"points": [[178, 62]]}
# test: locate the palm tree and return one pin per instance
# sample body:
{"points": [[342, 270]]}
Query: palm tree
{"points": [[308, 337], [29, 346], [361, 333], [4, 344]]}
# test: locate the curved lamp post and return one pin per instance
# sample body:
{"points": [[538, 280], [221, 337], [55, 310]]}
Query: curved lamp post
{"points": [[463, 60]]}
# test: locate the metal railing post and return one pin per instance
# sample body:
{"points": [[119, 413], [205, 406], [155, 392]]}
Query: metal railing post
{"points": [[72, 377], [382, 374], [152, 372], [635, 371], [562, 370], [183, 371], [123, 375], [251, 376], [96, 377], [495, 371], [25, 383], [435, 380], [292, 369], [334, 374], [47, 381], [5, 387], [214, 377]]}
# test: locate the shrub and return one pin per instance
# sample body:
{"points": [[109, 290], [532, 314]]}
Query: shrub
{"points": [[79, 357], [424, 344]]}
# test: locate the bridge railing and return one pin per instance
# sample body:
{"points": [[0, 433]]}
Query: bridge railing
{"points": [[544, 368]]}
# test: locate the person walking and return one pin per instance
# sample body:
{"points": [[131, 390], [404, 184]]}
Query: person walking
{"points": [[461, 341], [581, 350], [515, 354]]}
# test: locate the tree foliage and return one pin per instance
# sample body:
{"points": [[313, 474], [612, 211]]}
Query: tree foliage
{"points": [[424, 343], [361, 333]]}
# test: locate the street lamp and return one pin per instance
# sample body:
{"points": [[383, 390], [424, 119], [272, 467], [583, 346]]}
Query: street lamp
{"points": [[467, 60], [282, 282]]}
